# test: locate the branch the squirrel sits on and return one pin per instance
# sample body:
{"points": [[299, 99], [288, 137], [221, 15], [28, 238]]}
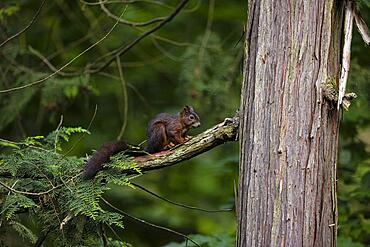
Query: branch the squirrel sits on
{"points": [[164, 131]]}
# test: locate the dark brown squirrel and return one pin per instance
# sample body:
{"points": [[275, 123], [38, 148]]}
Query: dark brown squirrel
{"points": [[164, 131]]}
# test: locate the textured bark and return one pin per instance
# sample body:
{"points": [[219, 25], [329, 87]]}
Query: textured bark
{"points": [[288, 131]]}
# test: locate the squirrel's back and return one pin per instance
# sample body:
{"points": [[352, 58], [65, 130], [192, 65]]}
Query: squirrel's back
{"points": [[166, 130], [157, 132]]}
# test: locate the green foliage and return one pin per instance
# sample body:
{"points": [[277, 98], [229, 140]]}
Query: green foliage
{"points": [[48, 185], [63, 134], [6, 143], [14, 203], [363, 5], [209, 74], [347, 242], [57, 92], [115, 243], [203, 71], [354, 162], [12, 106], [8, 11], [23, 231]]}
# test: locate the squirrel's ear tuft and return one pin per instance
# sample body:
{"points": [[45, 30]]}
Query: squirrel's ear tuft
{"points": [[188, 108]]}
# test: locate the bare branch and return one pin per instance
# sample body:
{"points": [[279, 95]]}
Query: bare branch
{"points": [[362, 27], [64, 66], [126, 2], [148, 223], [34, 18], [219, 134], [123, 49], [129, 23], [180, 204], [49, 64], [125, 100]]}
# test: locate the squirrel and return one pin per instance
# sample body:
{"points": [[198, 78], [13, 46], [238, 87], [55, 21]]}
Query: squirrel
{"points": [[163, 132]]}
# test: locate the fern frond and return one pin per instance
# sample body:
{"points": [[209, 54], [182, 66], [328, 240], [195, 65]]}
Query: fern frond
{"points": [[24, 231], [15, 202]]}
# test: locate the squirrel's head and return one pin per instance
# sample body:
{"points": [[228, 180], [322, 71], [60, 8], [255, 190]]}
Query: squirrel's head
{"points": [[189, 117]]}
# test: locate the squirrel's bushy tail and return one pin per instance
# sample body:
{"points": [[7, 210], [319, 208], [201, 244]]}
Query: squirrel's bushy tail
{"points": [[101, 156]]}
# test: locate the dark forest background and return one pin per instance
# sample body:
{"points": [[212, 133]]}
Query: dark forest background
{"points": [[194, 59]]}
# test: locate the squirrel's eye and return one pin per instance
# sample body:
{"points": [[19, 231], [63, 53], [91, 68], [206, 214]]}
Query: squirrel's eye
{"points": [[191, 117]]}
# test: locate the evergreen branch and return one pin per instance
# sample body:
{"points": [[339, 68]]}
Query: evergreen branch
{"points": [[26, 192], [34, 18], [148, 223], [36, 193], [180, 204]]}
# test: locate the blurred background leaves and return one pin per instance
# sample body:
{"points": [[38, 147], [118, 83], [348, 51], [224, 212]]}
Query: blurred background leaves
{"points": [[196, 60]]}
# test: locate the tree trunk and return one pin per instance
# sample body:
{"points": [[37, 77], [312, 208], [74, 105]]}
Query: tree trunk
{"points": [[289, 132]]}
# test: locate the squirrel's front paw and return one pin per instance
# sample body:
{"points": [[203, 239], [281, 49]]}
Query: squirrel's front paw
{"points": [[170, 145], [187, 138]]}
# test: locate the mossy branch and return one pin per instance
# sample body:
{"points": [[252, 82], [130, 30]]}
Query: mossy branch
{"points": [[218, 134]]}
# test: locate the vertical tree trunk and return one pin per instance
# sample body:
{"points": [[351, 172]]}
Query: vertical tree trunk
{"points": [[289, 132]]}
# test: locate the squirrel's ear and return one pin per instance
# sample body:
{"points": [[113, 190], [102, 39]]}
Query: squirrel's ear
{"points": [[188, 108]]}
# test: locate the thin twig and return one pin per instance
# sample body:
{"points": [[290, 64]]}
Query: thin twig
{"points": [[148, 223], [48, 63], [125, 101], [362, 27], [64, 66], [136, 91], [34, 18], [83, 134], [165, 52], [127, 2], [159, 3], [28, 193], [125, 48], [207, 35], [103, 235], [180, 204], [38, 193], [114, 232], [16, 181], [42, 237], [129, 23], [57, 134]]}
